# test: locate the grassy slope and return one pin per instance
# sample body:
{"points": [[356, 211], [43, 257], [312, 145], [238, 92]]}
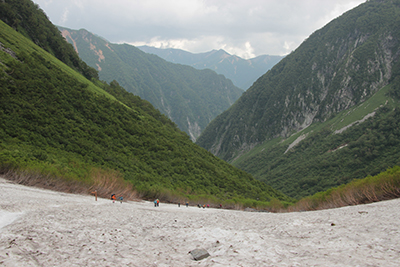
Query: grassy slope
{"points": [[67, 125], [279, 169], [384, 186], [342, 119]]}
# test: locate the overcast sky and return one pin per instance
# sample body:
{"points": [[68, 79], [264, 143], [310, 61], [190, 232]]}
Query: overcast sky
{"points": [[246, 28]]}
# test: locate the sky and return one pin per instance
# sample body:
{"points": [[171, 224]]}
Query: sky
{"points": [[246, 28]]}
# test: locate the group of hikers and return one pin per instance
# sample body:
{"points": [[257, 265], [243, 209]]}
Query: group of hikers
{"points": [[114, 198], [208, 205], [157, 202], [187, 204]]}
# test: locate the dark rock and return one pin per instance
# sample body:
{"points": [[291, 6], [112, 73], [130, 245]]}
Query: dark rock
{"points": [[250, 209], [199, 254]]}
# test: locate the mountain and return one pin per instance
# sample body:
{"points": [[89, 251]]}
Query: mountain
{"points": [[56, 125], [289, 128], [242, 72], [189, 97]]}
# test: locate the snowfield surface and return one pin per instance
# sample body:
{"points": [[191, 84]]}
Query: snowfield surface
{"points": [[45, 228]]}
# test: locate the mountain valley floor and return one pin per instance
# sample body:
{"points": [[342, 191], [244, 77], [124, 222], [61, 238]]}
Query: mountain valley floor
{"points": [[45, 228]]}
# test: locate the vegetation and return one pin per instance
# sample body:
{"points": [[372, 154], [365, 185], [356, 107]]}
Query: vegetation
{"points": [[383, 186], [58, 129]]}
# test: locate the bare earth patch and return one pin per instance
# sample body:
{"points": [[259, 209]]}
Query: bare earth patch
{"points": [[46, 228]]}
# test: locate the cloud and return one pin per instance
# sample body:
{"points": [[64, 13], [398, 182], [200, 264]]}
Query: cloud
{"points": [[246, 28], [64, 17], [202, 44]]}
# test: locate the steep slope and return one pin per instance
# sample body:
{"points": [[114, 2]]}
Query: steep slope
{"points": [[35, 25], [337, 67], [284, 128], [189, 97], [56, 123], [243, 73]]}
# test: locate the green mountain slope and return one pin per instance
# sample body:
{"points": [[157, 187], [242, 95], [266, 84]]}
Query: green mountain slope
{"points": [[339, 67], [189, 97], [55, 122], [242, 72], [361, 141]]}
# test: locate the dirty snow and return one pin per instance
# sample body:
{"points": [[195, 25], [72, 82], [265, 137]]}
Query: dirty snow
{"points": [[353, 123], [45, 228]]}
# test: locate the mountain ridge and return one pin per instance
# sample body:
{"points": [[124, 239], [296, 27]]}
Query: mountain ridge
{"points": [[312, 95], [242, 72]]}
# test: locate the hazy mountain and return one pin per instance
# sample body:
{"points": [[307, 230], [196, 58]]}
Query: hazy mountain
{"points": [[243, 73], [189, 97], [57, 126], [333, 72]]}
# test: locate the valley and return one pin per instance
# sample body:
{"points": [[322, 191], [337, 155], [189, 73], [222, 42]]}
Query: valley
{"points": [[324, 115], [299, 169]]}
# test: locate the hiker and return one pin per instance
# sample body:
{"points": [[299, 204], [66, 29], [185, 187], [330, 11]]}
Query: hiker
{"points": [[120, 199], [198, 205], [158, 202], [187, 204], [220, 206], [208, 205], [179, 204], [204, 206], [113, 198], [155, 203]]}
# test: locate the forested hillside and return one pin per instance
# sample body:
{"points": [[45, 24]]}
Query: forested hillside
{"points": [[189, 97], [331, 75], [242, 72], [57, 124], [21, 16], [326, 157]]}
